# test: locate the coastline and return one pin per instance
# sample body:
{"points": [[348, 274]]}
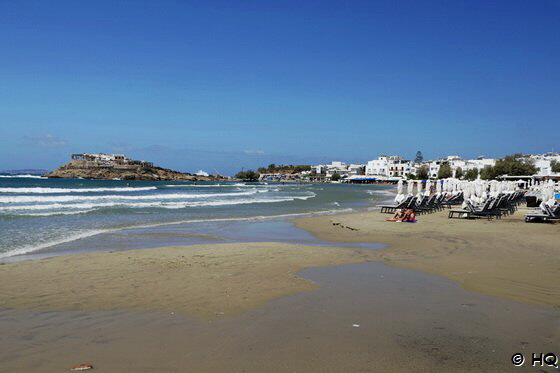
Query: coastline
{"points": [[507, 258]]}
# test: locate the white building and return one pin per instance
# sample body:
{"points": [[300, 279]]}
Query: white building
{"points": [[543, 163], [336, 167], [456, 162], [356, 169], [388, 166]]}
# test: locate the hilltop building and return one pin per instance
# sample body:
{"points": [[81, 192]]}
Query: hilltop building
{"points": [[102, 160]]}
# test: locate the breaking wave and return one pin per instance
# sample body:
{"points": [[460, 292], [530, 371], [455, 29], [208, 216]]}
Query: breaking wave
{"points": [[74, 190], [155, 204]]}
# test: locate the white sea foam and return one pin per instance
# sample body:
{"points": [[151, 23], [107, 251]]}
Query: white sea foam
{"points": [[248, 218], [70, 198], [211, 185], [167, 205], [53, 213], [23, 176], [72, 190], [33, 248], [382, 191]]}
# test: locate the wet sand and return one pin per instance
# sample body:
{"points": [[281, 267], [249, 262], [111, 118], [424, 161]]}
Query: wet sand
{"points": [[408, 321], [205, 281], [506, 258], [248, 308]]}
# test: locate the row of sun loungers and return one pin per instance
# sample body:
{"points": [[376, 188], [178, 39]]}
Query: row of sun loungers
{"points": [[544, 213], [425, 204], [493, 207]]}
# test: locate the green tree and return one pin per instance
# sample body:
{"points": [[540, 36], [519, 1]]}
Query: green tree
{"points": [[555, 166], [423, 172], [488, 173], [514, 165], [248, 175], [471, 174], [335, 177], [459, 173], [444, 171]]}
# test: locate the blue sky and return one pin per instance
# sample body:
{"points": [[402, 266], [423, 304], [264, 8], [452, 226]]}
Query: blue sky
{"points": [[221, 85]]}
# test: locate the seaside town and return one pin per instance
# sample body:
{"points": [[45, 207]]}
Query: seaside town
{"points": [[384, 169], [394, 168]]}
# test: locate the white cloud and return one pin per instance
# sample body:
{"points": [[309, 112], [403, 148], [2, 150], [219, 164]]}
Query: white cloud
{"points": [[46, 141], [253, 152]]}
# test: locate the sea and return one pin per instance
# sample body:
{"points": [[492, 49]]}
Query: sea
{"points": [[42, 217]]}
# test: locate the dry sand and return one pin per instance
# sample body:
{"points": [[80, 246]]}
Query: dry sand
{"points": [[507, 258]]}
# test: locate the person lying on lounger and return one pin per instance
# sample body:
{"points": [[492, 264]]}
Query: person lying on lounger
{"points": [[399, 215]]}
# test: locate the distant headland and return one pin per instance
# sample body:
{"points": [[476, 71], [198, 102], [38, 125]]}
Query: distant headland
{"points": [[118, 166]]}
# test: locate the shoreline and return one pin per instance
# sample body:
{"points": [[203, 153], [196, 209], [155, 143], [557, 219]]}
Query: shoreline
{"points": [[507, 258], [78, 243]]}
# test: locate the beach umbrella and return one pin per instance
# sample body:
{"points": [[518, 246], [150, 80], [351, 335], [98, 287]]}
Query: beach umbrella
{"points": [[410, 186], [439, 186], [419, 189], [444, 185], [428, 187], [400, 196], [493, 188], [466, 193]]}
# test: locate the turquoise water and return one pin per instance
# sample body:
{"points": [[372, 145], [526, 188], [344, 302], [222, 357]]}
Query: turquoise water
{"points": [[59, 215]]}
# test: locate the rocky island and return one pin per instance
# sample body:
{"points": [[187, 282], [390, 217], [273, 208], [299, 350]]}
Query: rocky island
{"points": [[118, 166]]}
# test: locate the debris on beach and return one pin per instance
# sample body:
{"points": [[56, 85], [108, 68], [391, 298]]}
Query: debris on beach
{"points": [[356, 325], [80, 367], [345, 226]]}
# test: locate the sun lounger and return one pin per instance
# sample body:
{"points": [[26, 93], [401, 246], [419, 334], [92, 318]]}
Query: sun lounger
{"points": [[545, 213], [487, 210], [398, 206], [453, 200]]}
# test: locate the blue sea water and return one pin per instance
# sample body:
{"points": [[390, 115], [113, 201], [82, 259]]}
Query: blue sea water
{"points": [[46, 216]]}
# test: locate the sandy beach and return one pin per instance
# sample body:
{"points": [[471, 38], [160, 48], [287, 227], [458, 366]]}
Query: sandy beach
{"points": [[251, 307], [507, 258], [202, 281]]}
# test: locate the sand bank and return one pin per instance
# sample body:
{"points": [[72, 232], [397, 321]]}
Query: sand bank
{"points": [[507, 258], [205, 280]]}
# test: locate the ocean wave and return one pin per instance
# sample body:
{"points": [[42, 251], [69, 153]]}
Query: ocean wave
{"points": [[166, 205], [40, 190], [23, 176], [74, 237], [247, 218], [209, 185], [53, 213], [36, 247], [68, 198], [383, 191]]}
